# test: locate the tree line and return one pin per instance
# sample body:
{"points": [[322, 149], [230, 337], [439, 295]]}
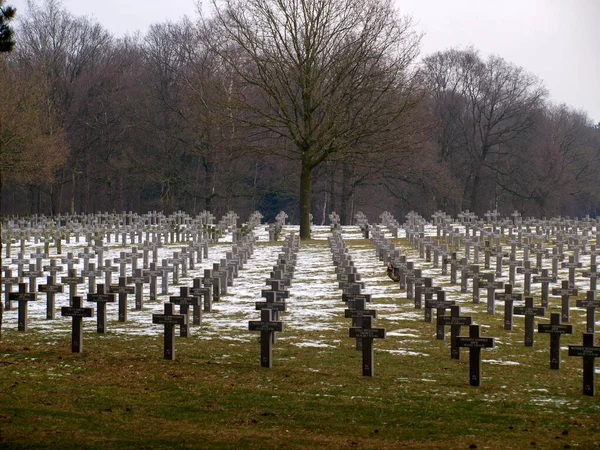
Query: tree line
{"points": [[307, 106]]}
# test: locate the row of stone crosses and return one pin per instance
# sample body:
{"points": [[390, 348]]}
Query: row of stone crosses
{"points": [[487, 238], [209, 288], [198, 232]]}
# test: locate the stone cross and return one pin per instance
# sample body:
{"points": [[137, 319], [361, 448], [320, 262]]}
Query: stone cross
{"points": [[571, 265], [592, 274], [565, 292], [184, 300], [101, 298], [491, 287], [455, 321], [474, 343], [440, 304], [589, 352], [527, 270], [33, 273], [139, 278], [425, 290], [123, 260], [169, 320], [123, 290], [367, 333], [23, 297], [555, 329], [545, 279], [267, 327], [77, 312], [8, 280], [204, 290], [590, 303], [530, 312], [51, 288], [508, 297], [72, 280]]}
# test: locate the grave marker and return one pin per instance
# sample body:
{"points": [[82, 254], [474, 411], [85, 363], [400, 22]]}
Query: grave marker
{"points": [[565, 292], [366, 333], [267, 327], [77, 312], [455, 321], [590, 303], [589, 352], [169, 320], [555, 328], [101, 298], [474, 343], [23, 297], [123, 290], [51, 289], [530, 312]]}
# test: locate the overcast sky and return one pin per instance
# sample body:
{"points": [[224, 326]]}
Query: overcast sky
{"points": [[557, 40]]}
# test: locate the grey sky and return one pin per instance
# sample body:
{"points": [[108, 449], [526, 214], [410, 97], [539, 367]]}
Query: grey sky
{"points": [[557, 40]]}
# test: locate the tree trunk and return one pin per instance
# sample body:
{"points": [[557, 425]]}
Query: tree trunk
{"points": [[305, 184]]}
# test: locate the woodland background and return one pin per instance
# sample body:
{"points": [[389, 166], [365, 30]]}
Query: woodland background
{"points": [[160, 121]]}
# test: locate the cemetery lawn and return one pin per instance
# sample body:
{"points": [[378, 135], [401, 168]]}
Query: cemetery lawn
{"points": [[120, 393]]}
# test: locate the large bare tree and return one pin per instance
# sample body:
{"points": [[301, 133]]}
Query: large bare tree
{"points": [[318, 77]]}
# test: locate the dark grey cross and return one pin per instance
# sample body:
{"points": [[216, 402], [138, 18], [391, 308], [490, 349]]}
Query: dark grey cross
{"points": [[440, 304], [267, 327], [184, 300], [526, 271], [555, 329], [545, 279], [154, 272], [138, 278], [367, 333], [72, 280], [70, 261], [356, 311], [491, 287], [165, 269], [123, 260], [565, 292], [455, 321], [474, 343], [530, 312], [101, 298], [592, 274], [123, 290], [203, 289], [589, 352], [214, 281], [571, 265], [8, 281], [411, 281], [590, 303], [425, 290], [509, 298], [92, 273], [77, 312], [33, 275], [169, 319], [51, 288], [108, 270], [512, 265], [53, 268], [23, 297]]}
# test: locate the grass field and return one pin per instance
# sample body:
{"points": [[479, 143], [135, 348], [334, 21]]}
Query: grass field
{"points": [[120, 393]]}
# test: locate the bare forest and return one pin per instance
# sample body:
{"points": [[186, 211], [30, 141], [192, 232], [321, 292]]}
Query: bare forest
{"points": [[302, 106]]}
